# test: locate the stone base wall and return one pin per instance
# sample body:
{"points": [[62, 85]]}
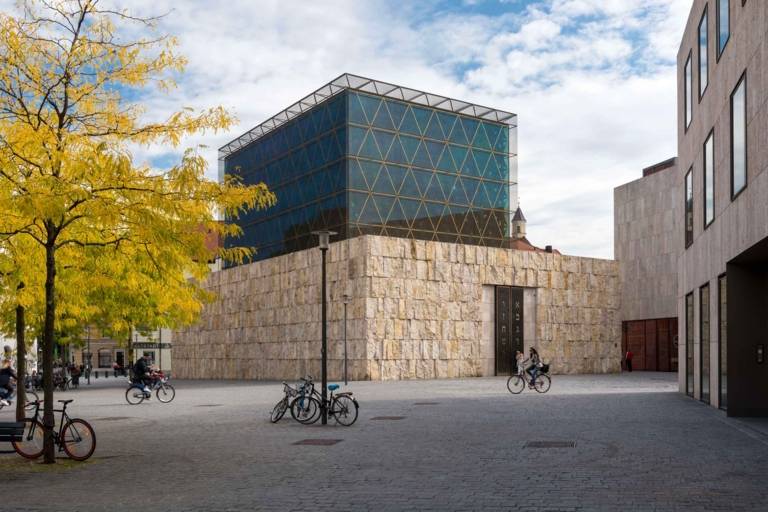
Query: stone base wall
{"points": [[418, 310]]}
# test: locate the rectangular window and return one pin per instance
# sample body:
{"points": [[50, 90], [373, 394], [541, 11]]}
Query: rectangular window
{"points": [[689, 344], [704, 342], [689, 208], [703, 54], [688, 93], [739, 137], [105, 358], [709, 179], [723, 25], [722, 317]]}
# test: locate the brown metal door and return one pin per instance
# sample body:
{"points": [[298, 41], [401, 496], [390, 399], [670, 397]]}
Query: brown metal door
{"points": [[636, 343], [651, 364], [509, 328], [664, 344]]}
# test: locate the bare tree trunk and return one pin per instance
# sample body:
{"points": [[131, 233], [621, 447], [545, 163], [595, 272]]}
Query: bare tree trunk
{"points": [[50, 314], [21, 361]]}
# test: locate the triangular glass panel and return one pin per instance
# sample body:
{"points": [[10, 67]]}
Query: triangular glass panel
{"points": [[457, 134], [447, 182], [422, 118], [502, 162], [481, 159], [369, 213], [434, 191], [396, 153], [482, 217], [397, 217], [492, 131], [397, 175], [396, 112], [369, 147], [434, 130], [481, 138], [433, 211], [470, 187], [383, 120], [470, 127], [356, 114], [446, 162], [356, 138], [435, 149], [384, 205], [470, 226], [409, 124], [422, 180], [459, 154], [444, 223], [458, 196], [383, 139], [410, 209], [410, 188], [421, 220], [410, 145], [422, 157], [383, 184], [370, 106], [470, 167], [502, 141], [502, 200], [447, 122], [491, 170], [457, 216]]}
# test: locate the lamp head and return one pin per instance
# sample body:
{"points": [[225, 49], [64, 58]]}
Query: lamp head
{"points": [[324, 238]]}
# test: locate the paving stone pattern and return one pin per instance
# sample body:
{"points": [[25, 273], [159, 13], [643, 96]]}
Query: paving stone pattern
{"points": [[639, 445]]}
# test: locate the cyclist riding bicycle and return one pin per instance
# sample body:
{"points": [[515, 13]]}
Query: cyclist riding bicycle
{"points": [[534, 361], [6, 388], [141, 373]]}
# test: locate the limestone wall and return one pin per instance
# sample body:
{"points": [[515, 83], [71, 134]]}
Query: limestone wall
{"points": [[418, 311]]}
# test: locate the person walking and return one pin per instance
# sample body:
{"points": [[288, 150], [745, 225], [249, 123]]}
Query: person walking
{"points": [[628, 359]]}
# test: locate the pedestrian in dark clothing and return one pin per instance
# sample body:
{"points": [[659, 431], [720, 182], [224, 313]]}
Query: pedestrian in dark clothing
{"points": [[628, 359]]}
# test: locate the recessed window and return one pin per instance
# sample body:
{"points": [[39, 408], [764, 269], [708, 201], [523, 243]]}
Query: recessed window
{"points": [[688, 93], [739, 137], [105, 358], [703, 55], [723, 25], [723, 339], [689, 208], [709, 179], [689, 344], [704, 342]]}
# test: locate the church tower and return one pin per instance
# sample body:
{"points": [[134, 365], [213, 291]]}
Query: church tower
{"points": [[518, 225]]}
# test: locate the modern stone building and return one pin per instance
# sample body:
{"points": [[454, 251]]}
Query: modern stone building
{"points": [[647, 243], [420, 190], [722, 161]]}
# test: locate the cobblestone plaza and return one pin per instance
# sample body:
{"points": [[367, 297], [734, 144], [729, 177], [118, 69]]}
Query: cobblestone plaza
{"points": [[639, 445]]}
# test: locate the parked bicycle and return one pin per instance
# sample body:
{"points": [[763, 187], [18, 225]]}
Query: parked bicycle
{"points": [[137, 392], [306, 407], [516, 383], [75, 436], [280, 407]]}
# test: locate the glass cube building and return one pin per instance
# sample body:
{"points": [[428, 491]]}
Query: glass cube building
{"points": [[360, 156]]}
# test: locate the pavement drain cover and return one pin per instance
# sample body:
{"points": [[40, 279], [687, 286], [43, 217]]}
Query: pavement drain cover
{"points": [[550, 444], [426, 403], [389, 418], [209, 405], [318, 442], [113, 418]]}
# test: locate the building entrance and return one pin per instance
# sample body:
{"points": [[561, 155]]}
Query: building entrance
{"points": [[509, 328], [653, 344]]}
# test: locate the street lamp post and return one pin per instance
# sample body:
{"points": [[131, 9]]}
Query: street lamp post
{"points": [[90, 358], [345, 298], [324, 237]]}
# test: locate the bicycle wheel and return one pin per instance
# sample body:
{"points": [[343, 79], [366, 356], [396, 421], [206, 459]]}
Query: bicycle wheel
{"points": [[305, 410], [31, 444], [344, 409], [542, 384], [134, 395], [78, 439], [515, 384], [279, 410], [165, 393]]}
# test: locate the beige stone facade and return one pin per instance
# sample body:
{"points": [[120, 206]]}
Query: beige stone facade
{"points": [[418, 310]]}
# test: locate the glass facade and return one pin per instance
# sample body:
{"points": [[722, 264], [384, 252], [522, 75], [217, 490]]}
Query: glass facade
{"points": [[709, 179], [703, 54], [723, 24], [689, 208], [689, 344], [361, 163], [704, 342], [688, 93], [739, 137], [722, 316]]}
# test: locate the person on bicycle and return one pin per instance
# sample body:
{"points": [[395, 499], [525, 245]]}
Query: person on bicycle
{"points": [[533, 362], [6, 388], [141, 373]]}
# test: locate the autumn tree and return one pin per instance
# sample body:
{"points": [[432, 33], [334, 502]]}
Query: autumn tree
{"points": [[99, 224]]}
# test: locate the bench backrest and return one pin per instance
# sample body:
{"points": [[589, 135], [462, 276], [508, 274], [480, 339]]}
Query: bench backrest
{"points": [[11, 431]]}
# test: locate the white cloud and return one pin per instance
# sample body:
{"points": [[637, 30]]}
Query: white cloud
{"points": [[592, 80]]}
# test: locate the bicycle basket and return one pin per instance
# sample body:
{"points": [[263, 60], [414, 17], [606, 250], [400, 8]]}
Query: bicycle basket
{"points": [[544, 368]]}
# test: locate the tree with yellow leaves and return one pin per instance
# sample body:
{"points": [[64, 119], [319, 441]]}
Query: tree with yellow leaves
{"points": [[103, 232]]}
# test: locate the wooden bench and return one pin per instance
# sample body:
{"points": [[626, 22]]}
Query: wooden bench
{"points": [[11, 431]]}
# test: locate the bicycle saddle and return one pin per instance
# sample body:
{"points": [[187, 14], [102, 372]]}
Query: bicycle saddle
{"points": [[333, 387], [65, 402]]}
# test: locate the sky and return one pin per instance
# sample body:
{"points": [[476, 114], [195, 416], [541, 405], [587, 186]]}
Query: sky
{"points": [[592, 81]]}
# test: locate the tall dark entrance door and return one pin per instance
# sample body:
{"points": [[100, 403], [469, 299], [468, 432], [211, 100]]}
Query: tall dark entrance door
{"points": [[509, 327]]}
